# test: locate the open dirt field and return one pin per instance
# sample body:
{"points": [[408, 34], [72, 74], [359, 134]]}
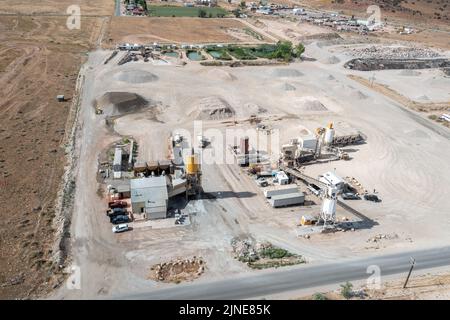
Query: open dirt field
{"points": [[39, 59], [418, 11], [175, 30], [100, 7], [288, 30], [429, 30]]}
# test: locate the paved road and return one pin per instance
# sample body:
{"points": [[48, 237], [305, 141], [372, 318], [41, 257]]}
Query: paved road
{"points": [[300, 277]]}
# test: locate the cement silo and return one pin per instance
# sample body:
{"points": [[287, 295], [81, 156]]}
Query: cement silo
{"points": [[329, 135]]}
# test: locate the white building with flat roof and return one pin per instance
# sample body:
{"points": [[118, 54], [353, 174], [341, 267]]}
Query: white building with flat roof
{"points": [[331, 179], [150, 196]]}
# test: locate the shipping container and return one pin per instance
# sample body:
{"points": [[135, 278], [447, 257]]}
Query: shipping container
{"points": [[285, 200], [268, 193]]}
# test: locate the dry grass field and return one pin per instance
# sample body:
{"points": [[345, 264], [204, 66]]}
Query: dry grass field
{"points": [[99, 7], [179, 30], [39, 59]]}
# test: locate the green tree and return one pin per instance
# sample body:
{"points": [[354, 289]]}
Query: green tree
{"points": [[236, 12], [299, 50], [243, 5], [202, 13], [346, 290], [283, 51]]}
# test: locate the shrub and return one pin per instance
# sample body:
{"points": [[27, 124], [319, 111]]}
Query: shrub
{"points": [[274, 253], [319, 296], [346, 290]]}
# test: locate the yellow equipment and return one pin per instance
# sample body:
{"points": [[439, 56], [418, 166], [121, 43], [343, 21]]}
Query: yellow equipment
{"points": [[308, 220], [192, 165]]}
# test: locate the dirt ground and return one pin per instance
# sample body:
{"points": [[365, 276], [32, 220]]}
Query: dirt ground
{"points": [[174, 30], [429, 30], [417, 11], [288, 30], [100, 7], [426, 286], [39, 59]]}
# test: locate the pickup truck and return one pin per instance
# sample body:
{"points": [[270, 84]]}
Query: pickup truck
{"points": [[117, 204]]}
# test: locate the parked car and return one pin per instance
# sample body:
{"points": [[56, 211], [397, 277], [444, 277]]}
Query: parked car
{"points": [[120, 228], [372, 197], [116, 212], [314, 189], [350, 196], [120, 219], [262, 182], [117, 204]]}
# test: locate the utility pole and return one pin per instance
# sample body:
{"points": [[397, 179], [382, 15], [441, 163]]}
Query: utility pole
{"points": [[413, 262]]}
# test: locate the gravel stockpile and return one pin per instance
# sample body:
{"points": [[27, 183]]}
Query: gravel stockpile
{"points": [[380, 52], [410, 73], [212, 108], [119, 103], [288, 87], [287, 73], [136, 76]]}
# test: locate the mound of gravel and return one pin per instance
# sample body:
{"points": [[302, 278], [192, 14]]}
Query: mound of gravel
{"points": [[288, 87], [119, 103], [287, 73], [212, 108], [311, 104], [221, 74], [392, 52], [410, 73], [254, 109], [136, 76], [330, 77], [332, 60], [358, 95]]}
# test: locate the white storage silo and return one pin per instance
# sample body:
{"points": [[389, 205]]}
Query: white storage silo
{"points": [[329, 135]]}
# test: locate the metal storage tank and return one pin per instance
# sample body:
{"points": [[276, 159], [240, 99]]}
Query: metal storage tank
{"points": [[329, 134]]}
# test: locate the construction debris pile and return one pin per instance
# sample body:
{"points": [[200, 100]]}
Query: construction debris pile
{"points": [[263, 255], [380, 52], [178, 270], [380, 237]]}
